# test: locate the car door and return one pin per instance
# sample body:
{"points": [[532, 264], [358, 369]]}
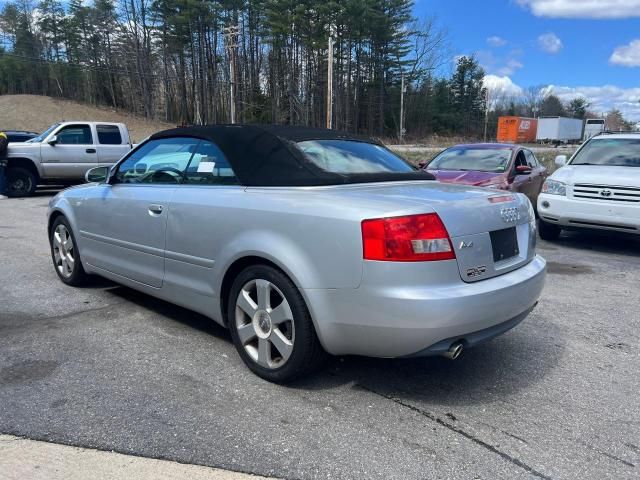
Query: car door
{"points": [[123, 223], [538, 175], [72, 153], [202, 216], [110, 144], [521, 183]]}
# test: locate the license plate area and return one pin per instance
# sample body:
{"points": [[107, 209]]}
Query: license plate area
{"points": [[504, 244]]}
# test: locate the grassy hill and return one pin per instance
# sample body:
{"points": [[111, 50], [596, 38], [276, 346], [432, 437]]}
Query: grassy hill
{"points": [[36, 113]]}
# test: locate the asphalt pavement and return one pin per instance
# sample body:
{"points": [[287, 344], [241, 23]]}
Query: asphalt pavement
{"points": [[108, 368]]}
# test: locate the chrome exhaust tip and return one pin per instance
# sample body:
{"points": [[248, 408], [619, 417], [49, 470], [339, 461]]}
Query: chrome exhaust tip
{"points": [[454, 351]]}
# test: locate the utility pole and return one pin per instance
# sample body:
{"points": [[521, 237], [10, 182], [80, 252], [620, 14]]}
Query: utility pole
{"points": [[486, 114], [330, 80], [231, 35], [401, 106]]}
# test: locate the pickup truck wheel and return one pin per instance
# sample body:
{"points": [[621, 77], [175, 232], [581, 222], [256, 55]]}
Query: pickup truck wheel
{"points": [[548, 231], [271, 326], [20, 182], [65, 254]]}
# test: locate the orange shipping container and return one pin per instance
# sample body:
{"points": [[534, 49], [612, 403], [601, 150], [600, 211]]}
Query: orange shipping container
{"points": [[517, 130]]}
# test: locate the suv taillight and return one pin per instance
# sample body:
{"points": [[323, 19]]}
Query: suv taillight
{"points": [[413, 238]]}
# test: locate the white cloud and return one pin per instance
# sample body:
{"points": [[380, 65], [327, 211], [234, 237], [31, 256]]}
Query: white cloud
{"points": [[501, 65], [510, 68], [603, 99], [550, 43], [501, 87], [627, 55], [496, 41], [583, 8]]}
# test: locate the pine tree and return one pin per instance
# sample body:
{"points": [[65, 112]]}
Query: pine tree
{"points": [[468, 95]]}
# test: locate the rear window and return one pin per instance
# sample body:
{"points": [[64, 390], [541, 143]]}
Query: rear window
{"points": [[352, 157], [109, 135], [613, 152]]}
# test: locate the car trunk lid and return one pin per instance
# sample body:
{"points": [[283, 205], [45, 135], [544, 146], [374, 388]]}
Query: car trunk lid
{"points": [[492, 232]]}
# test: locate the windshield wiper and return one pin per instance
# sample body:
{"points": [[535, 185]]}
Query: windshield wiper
{"points": [[455, 169]]}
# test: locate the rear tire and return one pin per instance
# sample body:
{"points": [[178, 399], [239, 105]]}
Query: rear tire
{"points": [[20, 182], [65, 254], [548, 231], [271, 326]]}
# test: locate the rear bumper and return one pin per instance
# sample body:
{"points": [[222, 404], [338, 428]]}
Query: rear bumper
{"points": [[395, 320], [597, 214], [474, 338]]}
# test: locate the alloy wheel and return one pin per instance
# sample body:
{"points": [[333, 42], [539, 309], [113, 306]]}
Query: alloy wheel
{"points": [[264, 322], [63, 251]]}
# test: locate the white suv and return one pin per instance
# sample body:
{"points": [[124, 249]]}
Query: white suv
{"points": [[598, 188]]}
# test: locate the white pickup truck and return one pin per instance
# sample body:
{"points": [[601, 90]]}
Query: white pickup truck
{"points": [[63, 153]]}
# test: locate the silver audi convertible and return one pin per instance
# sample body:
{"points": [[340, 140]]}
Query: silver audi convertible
{"points": [[303, 242]]}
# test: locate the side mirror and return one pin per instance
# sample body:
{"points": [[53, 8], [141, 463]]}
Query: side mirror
{"points": [[97, 175], [561, 160], [53, 140], [523, 170], [422, 164]]}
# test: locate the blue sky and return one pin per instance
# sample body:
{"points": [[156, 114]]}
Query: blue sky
{"points": [[585, 48]]}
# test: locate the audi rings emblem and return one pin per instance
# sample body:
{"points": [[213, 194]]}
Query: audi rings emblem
{"points": [[510, 215]]}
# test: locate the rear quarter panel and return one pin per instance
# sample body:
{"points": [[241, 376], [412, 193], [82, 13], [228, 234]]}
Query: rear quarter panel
{"points": [[209, 228]]}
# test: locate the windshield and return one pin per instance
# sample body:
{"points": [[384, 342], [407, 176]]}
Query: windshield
{"points": [[350, 156], [613, 152], [44, 134], [474, 159]]}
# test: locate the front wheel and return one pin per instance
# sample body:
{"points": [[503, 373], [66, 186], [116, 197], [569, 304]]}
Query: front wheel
{"points": [[20, 182], [65, 254], [548, 231], [271, 326]]}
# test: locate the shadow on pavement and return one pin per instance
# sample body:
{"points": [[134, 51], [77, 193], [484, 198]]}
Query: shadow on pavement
{"points": [[484, 374], [598, 241], [169, 310]]}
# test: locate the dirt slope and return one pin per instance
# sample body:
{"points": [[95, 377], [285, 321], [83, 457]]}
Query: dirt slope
{"points": [[36, 113]]}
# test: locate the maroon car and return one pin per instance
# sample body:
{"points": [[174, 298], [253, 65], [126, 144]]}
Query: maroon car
{"points": [[493, 165]]}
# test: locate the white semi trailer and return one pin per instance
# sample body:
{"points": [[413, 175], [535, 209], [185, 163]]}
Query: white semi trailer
{"points": [[592, 127], [559, 130]]}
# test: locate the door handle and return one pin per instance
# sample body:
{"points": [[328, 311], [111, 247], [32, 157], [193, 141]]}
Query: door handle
{"points": [[90, 150], [155, 209]]}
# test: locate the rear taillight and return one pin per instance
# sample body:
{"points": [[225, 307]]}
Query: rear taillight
{"points": [[414, 238]]}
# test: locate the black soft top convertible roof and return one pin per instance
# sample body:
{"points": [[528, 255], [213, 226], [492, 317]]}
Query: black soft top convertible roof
{"points": [[267, 156]]}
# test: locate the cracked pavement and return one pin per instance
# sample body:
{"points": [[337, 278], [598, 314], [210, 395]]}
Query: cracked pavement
{"points": [[106, 367]]}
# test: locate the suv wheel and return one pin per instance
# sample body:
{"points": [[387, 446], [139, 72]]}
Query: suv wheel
{"points": [[20, 182], [271, 326], [548, 231]]}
